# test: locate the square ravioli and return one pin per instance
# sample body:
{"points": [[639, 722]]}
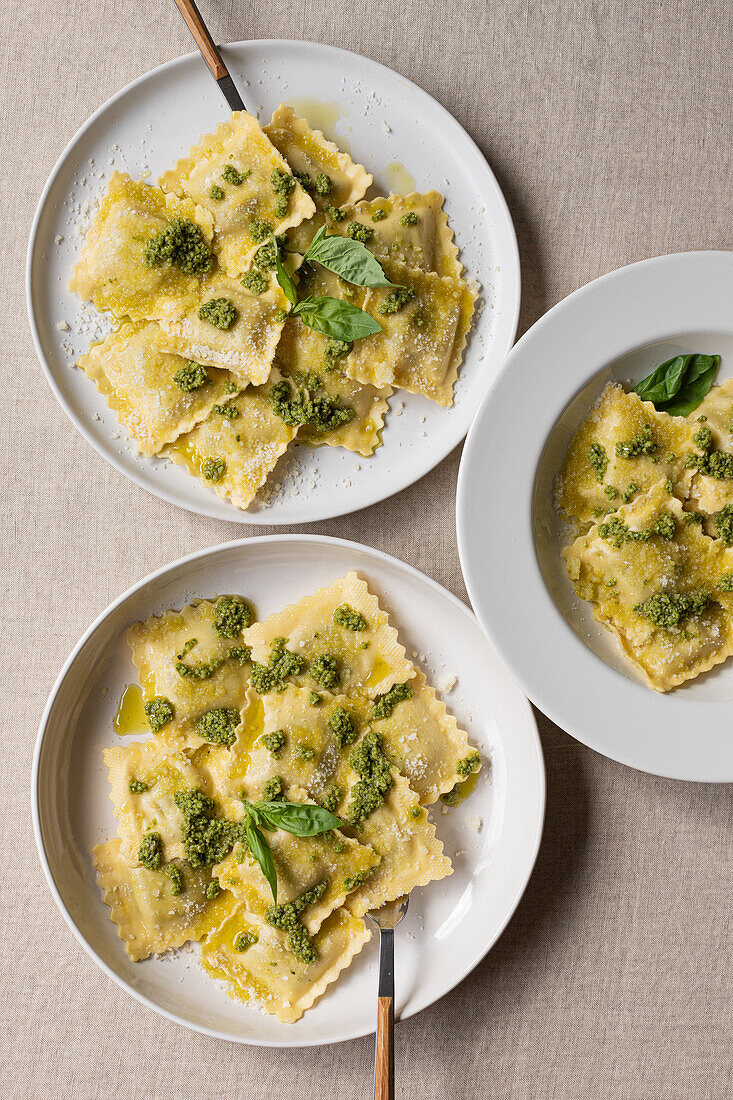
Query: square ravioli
{"points": [[266, 974], [240, 179], [149, 917], [341, 638], [114, 271], [190, 664], [711, 490], [412, 229], [620, 450], [155, 394], [345, 413], [660, 585], [235, 449]]}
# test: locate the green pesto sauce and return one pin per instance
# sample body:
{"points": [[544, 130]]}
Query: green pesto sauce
{"points": [[283, 185], [231, 387], [136, 786], [359, 232], [286, 917], [415, 812], [642, 444], [323, 413], [191, 377], [175, 874], [274, 742], [213, 889], [229, 412], [259, 231], [703, 438], [219, 312], [618, 533], [468, 765], [385, 704], [206, 839], [314, 699], [331, 798], [321, 185], [265, 258], [668, 610], [346, 616], [254, 281], [240, 653], [379, 215], [181, 244], [325, 671], [304, 752], [150, 852], [159, 711], [694, 517], [335, 350], [203, 671], [217, 726], [725, 584], [213, 468], [232, 615], [375, 778], [723, 523], [717, 464], [353, 882], [216, 193], [243, 940], [342, 726], [232, 175], [396, 299], [629, 491], [281, 664], [610, 492], [336, 213], [410, 218], [598, 460], [669, 486], [273, 789]]}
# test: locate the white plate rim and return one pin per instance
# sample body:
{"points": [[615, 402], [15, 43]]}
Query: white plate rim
{"points": [[156, 575], [212, 508], [650, 316]]}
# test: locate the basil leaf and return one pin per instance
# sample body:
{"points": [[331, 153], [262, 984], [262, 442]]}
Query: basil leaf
{"points": [[335, 318], [299, 818], [678, 385], [283, 276], [350, 259], [261, 851]]}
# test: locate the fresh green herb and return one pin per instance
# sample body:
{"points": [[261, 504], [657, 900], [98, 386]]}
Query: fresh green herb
{"points": [[347, 257], [181, 244], [385, 704], [678, 385], [159, 711], [232, 615], [336, 318], [284, 278], [346, 616], [218, 726], [192, 376], [298, 818], [219, 312]]}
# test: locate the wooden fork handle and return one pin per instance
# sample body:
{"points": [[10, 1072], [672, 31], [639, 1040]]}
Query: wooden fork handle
{"points": [[204, 41], [384, 1061]]}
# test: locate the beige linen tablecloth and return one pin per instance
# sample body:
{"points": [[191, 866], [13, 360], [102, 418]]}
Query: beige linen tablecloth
{"points": [[608, 126]]}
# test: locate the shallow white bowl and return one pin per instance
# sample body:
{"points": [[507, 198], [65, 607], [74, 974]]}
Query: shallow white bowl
{"points": [[450, 926], [618, 327], [401, 134]]}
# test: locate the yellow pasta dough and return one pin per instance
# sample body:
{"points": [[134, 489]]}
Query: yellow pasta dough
{"points": [[412, 229]]}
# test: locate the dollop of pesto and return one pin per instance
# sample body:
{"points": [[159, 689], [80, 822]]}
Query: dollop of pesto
{"points": [[353, 882], [304, 752], [618, 533], [216, 193], [346, 616], [273, 789], [314, 699], [213, 889], [379, 215], [231, 174], [415, 812], [717, 464], [669, 609], [202, 671], [240, 653], [181, 244], [723, 523], [219, 312], [321, 185], [694, 517], [385, 704], [217, 726], [324, 412], [725, 584], [229, 412], [159, 711], [206, 839], [136, 786], [335, 350], [192, 376], [375, 778], [286, 917], [396, 299], [468, 765], [669, 486], [325, 671], [359, 232], [243, 940], [283, 185], [213, 468], [410, 218], [232, 615], [259, 231], [281, 664], [254, 281], [342, 726], [331, 798], [274, 742], [175, 874], [629, 491], [150, 852], [336, 213], [265, 258], [703, 438], [642, 444], [610, 492]]}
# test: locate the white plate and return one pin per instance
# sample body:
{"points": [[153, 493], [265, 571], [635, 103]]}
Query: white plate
{"points": [[618, 327], [384, 120], [450, 926]]}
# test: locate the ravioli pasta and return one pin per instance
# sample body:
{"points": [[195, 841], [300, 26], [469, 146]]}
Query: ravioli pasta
{"points": [[187, 270], [315, 706]]}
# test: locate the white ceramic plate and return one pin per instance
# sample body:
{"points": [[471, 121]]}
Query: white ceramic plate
{"points": [[618, 327], [450, 926], [401, 134]]}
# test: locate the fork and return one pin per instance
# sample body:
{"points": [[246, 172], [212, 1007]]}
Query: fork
{"points": [[386, 919]]}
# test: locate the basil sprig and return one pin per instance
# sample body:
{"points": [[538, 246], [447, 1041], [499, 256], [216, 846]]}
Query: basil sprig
{"points": [[293, 817], [678, 385], [349, 259], [332, 317]]}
